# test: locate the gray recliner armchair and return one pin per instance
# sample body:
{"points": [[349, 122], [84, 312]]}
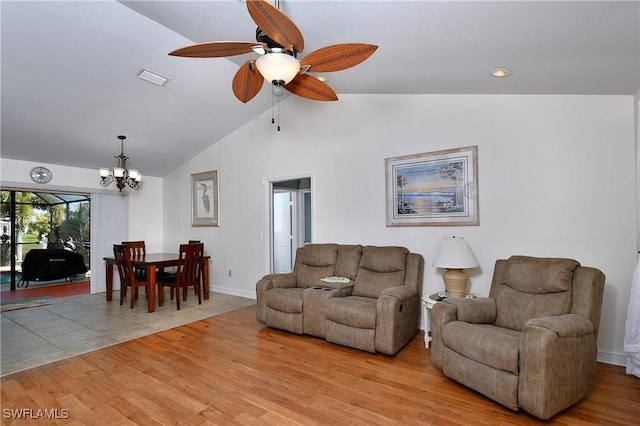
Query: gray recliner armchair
{"points": [[532, 344]]}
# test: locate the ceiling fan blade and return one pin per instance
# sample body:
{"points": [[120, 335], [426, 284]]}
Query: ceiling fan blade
{"points": [[247, 82], [337, 57], [276, 25], [216, 49], [310, 87]]}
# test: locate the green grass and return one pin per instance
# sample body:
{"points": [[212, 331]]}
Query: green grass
{"points": [[29, 238]]}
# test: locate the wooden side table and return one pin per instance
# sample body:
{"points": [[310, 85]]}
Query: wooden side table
{"points": [[428, 302]]}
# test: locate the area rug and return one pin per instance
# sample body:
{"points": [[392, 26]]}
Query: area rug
{"points": [[24, 304]]}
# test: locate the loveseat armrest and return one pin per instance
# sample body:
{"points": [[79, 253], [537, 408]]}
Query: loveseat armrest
{"points": [[268, 282], [557, 363], [397, 318], [476, 311], [287, 280], [401, 292]]}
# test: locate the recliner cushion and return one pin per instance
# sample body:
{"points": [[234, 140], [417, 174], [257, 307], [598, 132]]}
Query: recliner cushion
{"points": [[540, 275], [533, 287], [380, 268], [493, 346]]}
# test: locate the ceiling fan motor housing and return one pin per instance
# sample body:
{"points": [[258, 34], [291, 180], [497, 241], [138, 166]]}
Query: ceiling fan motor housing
{"points": [[262, 37]]}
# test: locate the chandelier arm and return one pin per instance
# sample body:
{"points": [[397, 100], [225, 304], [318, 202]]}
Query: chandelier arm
{"points": [[106, 180]]}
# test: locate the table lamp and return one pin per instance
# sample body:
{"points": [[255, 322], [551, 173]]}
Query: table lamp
{"points": [[455, 255]]}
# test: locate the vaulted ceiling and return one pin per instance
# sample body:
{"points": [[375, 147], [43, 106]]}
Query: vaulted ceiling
{"points": [[69, 84]]}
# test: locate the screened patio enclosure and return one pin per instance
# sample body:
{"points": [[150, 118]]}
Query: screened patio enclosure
{"points": [[41, 220]]}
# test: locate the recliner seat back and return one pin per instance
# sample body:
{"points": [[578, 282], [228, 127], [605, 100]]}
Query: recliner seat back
{"points": [[526, 287], [314, 262], [379, 269]]}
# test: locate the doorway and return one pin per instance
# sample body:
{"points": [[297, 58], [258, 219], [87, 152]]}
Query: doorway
{"points": [[290, 221]]}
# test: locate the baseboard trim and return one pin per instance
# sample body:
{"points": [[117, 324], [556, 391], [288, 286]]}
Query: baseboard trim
{"points": [[611, 357], [233, 292]]}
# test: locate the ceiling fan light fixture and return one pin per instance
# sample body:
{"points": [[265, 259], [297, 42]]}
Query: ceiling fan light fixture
{"points": [[278, 68], [500, 72]]}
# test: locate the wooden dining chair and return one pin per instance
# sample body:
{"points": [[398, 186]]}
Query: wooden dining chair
{"points": [[195, 290], [137, 250], [127, 274], [187, 275]]}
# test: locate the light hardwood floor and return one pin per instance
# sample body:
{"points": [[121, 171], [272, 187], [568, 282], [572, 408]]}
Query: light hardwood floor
{"points": [[231, 370]]}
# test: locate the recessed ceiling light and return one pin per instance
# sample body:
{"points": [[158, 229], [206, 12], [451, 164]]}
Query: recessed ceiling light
{"points": [[500, 72], [152, 77]]}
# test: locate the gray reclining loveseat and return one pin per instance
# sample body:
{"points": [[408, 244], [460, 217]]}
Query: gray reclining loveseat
{"points": [[365, 297]]}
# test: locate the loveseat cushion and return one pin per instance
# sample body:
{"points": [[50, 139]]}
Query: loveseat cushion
{"points": [[380, 268], [314, 262], [353, 311], [494, 346]]}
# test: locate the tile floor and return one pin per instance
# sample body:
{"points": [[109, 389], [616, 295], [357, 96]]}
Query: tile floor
{"points": [[74, 325]]}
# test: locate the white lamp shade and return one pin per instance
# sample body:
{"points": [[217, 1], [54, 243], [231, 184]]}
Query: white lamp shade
{"points": [[133, 174], [118, 172], [104, 172], [278, 68], [455, 254]]}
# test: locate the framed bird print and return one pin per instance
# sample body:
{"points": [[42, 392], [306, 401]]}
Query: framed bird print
{"points": [[205, 200]]}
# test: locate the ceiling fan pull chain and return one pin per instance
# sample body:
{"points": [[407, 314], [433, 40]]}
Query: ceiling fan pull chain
{"points": [[278, 112], [275, 106], [273, 101]]}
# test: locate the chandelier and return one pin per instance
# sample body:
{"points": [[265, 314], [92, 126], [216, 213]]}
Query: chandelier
{"points": [[120, 174]]}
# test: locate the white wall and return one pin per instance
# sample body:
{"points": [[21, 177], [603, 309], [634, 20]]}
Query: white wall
{"points": [[556, 178], [145, 206]]}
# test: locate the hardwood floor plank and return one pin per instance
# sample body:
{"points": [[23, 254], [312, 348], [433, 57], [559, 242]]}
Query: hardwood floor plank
{"points": [[231, 370]]}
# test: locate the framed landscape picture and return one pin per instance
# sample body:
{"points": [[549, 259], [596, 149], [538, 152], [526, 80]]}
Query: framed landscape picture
{"points": [[205, 203], [433, 189]]}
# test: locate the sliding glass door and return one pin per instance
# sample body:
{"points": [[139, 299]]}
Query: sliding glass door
{"points": [[41, 220]]}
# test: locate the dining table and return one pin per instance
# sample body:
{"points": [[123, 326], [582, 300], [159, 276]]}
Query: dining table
{"points": [[152, 262]]}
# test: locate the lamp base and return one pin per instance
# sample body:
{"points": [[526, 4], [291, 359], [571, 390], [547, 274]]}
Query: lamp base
{"points": [[455, 282]]}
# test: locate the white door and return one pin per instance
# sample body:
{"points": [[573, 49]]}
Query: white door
{"points": [[283, 237], [289, 221]]}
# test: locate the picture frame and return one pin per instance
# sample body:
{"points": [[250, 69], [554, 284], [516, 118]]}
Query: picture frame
{"points": [[205, 199], [433, 189]]}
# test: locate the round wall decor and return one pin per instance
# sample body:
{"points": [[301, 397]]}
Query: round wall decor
{"points": [[41, 174]]}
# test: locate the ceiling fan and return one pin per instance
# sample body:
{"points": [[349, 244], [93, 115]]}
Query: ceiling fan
{"points": [[279, 42]]}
